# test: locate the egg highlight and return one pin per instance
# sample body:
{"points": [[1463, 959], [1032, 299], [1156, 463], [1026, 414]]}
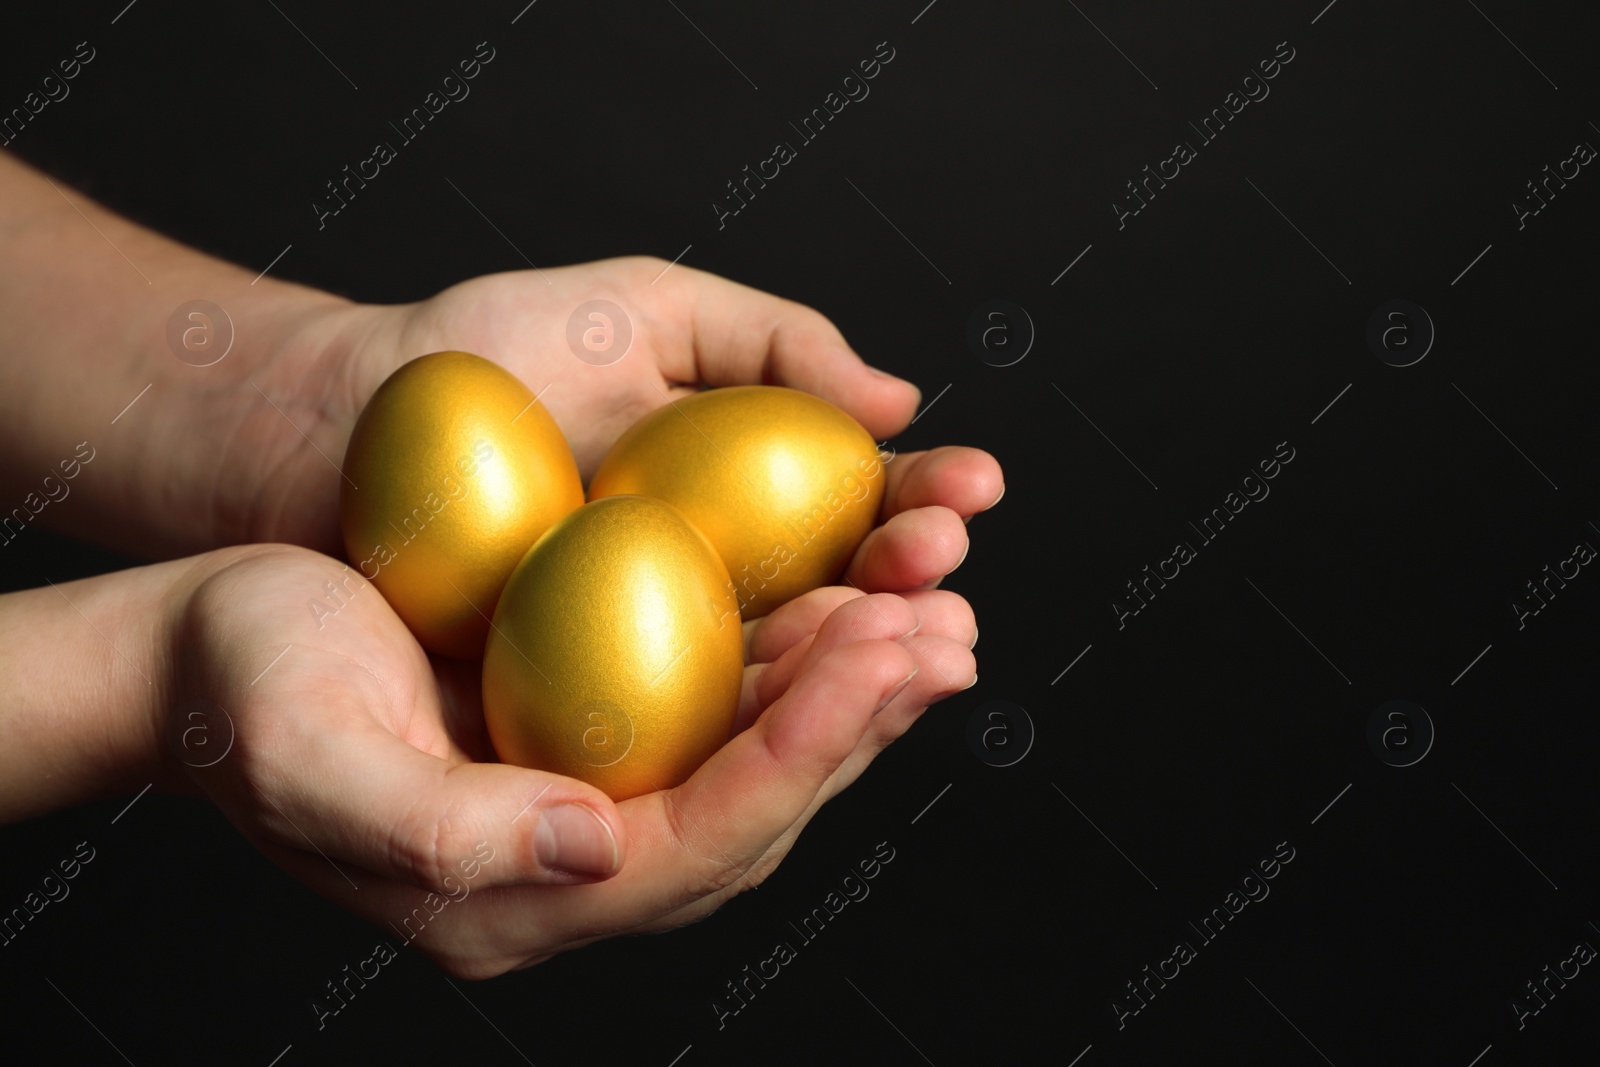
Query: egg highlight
{"points": [[784, 484], [452, 471], [616, 655]]}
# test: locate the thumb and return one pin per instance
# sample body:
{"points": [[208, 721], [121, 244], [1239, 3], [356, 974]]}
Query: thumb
{"points": [[372, 799], [743, 336]]}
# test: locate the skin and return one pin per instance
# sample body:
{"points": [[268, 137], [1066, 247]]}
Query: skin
{"points": [[357, 762]]}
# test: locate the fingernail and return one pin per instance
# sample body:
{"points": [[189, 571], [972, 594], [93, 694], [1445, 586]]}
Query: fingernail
{"points": [[974, 639], [970, 684], [896, 690], [996, 500], [909, 634], [571, 837]]}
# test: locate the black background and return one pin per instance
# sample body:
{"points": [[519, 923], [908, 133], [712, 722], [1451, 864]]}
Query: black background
{"points": [[1212, 727]]}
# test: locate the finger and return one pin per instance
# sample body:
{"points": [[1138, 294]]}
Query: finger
{"points": [[946, 663], [939, 613], [880, 615], [949, 668], [913, 550], [771, 635], [944, 614], [698, 839], [794, 627], [753, 789], [743, 336], [946, 667], [765, 682], [362, 795], [965, 480]]}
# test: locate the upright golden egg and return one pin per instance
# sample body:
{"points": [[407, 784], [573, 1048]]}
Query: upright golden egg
{"points": [[783, 483], [617, 654], [452, 471]]}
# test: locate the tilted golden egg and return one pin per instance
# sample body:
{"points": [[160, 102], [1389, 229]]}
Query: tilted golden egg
{"points": [[453, 470], [784, 484], [617, 653]]}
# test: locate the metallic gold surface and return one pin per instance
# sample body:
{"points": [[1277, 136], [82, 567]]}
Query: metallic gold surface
{"points": [[450, 476], [783, 483], [616, 655]]}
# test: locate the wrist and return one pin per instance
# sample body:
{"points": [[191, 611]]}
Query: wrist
{"points": [[102, 360], [89, 669], [284, 416]]}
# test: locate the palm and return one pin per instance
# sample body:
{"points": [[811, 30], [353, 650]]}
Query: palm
{"points": [[520, 320], [374, 756], [319, 636]]}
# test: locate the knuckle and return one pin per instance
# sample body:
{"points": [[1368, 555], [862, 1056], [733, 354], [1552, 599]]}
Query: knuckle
{"points": [[707, 874], [646, 267], [714, 882], [421, 845]]}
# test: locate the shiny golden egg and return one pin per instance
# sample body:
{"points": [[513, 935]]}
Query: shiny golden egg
{"points": [[617, 654], [453, 470], [783, 483]]}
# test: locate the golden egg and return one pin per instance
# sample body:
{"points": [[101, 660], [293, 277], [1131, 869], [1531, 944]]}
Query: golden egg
{"points": [[616, 655], [452, 471], [783, 483]]}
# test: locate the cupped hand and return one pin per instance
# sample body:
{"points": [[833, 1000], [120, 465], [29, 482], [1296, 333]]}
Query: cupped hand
{"points": [[360, 765], [689, 329]]}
